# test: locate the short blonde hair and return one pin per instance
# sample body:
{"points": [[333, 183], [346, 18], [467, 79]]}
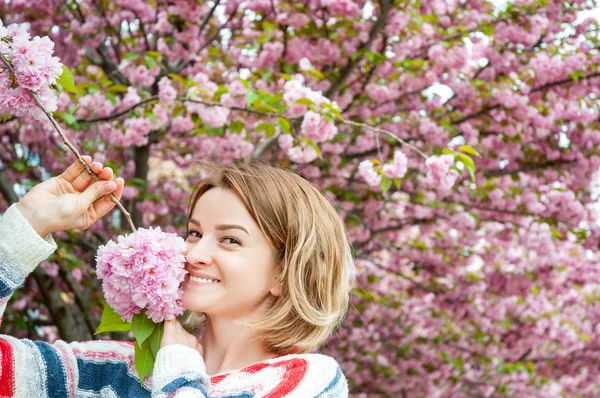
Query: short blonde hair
{"points": [[314, 258]]}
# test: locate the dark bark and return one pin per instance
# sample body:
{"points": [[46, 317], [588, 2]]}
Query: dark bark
{"points": [[386, 6]]}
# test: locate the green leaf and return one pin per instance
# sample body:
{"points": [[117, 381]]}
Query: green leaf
{"points": [[577, 75], [68, 118], [251, 97], [144, 361], [131, 56], [263, 107], [178, 111], [489, 29], [269, 129], [305, 101], [175, 76], [112, 322], [155, 338], [385, 184], [66, 80], [469, 149], [333, 110], [111, 97], [117, 88], [555, 233], [284, 125], [149, 62], [87, 86], [142, 327], [236, 127], [154, 54], [468, 162]]}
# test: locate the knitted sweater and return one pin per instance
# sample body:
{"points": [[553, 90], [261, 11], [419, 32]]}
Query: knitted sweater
{"points": [[32, 369]]}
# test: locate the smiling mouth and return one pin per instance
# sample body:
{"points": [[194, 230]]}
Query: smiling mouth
{"points": [[203, 280]]}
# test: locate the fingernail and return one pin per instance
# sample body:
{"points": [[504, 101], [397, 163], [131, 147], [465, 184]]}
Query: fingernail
{"points": [[110, 186]]}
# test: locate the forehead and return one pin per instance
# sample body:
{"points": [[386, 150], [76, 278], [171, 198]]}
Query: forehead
{"points": [[221, 206]]}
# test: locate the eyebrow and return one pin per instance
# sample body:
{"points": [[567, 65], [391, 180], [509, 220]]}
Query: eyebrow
{"points": [[222, 227]]}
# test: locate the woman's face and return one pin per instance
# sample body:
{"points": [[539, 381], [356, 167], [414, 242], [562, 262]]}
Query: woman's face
{"points": [[232, 267]]}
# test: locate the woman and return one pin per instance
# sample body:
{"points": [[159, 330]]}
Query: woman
{"points": [[269, 277]]}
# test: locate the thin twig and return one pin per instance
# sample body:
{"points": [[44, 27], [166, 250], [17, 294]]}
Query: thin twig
{"points": [[68, 143]]}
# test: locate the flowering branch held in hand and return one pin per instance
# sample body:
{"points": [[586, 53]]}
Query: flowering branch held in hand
{"points": [[34, 74]]}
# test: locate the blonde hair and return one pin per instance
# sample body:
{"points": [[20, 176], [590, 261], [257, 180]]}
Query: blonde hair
{"points": [[314, 261]]}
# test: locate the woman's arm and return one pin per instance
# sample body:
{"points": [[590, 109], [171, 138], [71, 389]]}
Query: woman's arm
{"points": [[21, 250]]}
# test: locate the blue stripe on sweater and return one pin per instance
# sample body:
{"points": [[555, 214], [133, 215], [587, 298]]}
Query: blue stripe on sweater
{"points": [[56, 378], [183, 382], [334, 382], [95, 376], [5, 290]]}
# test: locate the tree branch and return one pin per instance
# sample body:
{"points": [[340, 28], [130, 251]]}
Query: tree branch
{"points": [[532, 167], [108, 66], [386, 6], [207, 17]]}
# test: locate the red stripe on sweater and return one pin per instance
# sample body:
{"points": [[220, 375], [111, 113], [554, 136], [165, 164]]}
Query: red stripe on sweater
{"points": [[295, 370], [7, 376]]}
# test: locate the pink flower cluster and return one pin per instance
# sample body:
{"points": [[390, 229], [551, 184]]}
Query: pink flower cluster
{"points": [[369, 174], [439, 175], [166, 91], [35, 69], [317, 127], [295, 90], [398, 167], [143, 271]]}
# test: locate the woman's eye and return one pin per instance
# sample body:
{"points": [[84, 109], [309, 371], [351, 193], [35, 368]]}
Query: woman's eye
{"points": [[231, 241], [193, 234]]}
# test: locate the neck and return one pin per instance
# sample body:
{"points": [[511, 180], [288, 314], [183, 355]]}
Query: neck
{"points": [[228, 345]]}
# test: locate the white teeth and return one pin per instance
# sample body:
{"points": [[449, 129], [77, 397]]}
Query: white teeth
{"points": [[196, 279]]}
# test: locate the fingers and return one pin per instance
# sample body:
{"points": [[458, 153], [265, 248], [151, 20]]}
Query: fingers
{"points": [[73, 170], [95, 192], [105, 205], [84, 179]]}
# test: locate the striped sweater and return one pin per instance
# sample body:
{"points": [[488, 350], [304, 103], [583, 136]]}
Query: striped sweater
{"points": [[32, 369]]}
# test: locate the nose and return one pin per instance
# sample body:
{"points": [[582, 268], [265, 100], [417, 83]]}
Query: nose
{"points": [[199, 254]]}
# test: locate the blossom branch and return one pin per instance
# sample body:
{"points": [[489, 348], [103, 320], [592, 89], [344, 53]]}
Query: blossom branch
{"points": [[118, 114], [68, 143]]}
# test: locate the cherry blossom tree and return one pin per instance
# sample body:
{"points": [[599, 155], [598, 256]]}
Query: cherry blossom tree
{"points": [[458, 138]]}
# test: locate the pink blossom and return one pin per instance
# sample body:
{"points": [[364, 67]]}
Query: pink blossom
{"points": [[236, 88], [305, 64], [439, 175], [398, 167], [317, 127], [286, 141], [137, 130], [368, 173], [166, 91], [302, 153], [143, 271], [131, 98]]}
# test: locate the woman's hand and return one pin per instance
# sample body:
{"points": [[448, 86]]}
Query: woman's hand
{"points": [[71, 200], [174, 333]]}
